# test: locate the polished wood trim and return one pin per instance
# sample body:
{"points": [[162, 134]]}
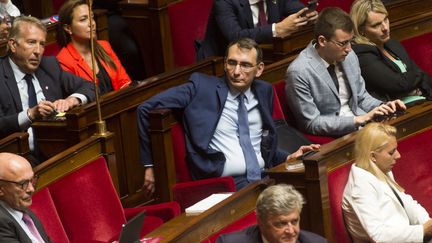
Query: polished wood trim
{"points": [[197, 228]]}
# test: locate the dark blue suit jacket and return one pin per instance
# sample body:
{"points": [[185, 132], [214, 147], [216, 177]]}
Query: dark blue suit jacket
{"points": [[55, 83], [252, 234], [201, 102], [230, 20]]}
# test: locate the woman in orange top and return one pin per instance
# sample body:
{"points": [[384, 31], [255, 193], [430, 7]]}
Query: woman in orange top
{"points": [[75, 56]]}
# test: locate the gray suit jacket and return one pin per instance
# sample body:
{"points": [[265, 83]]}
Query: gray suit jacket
{"points": [[11, 231], [313, 97]]}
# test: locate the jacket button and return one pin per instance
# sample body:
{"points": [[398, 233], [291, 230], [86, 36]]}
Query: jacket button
{"points": [[337, 113]]}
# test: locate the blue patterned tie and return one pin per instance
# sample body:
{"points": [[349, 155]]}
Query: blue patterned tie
{"points": [[253, 171], [32, 101]]}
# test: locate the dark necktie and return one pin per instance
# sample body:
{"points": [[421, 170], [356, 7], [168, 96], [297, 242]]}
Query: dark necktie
{"points": [[253, 171], [262, 18], [32, 100], [332, 72], [32, 227]]}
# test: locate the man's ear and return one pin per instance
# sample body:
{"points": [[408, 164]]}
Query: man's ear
{"points": [[12, 44], [321, 41], [260, 69]]}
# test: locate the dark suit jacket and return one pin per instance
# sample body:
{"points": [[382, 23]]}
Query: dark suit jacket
{"points": [[252, 234], [11, 231], [55, 83], [230, 20], [383, 78], [201, 102]]}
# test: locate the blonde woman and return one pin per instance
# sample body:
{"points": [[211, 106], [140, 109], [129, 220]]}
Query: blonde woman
{"points": [[388, 71], [375, 206]]}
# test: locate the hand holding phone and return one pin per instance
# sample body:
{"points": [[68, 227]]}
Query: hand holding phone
{"points": [[312, 5]]}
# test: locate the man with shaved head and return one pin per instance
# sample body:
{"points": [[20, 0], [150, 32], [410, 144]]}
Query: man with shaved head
{"points": [[17, 181]]}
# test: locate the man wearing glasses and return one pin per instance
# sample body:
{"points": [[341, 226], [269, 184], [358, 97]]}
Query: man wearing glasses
{"points": [[17, 185], [213, 111], [324, 86]]}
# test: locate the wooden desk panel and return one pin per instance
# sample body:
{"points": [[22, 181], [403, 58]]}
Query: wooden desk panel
{"points": [[16, 143]]}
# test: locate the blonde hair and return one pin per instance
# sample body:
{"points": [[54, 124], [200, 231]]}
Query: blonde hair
{"points": [[359, 14], [373, 138]]}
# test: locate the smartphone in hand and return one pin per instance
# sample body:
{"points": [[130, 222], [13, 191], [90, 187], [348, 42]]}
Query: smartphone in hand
{"points": [[312, 5]]}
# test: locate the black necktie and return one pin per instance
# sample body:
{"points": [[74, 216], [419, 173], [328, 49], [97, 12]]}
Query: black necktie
{"points": [[253, 171], [332, 72], [32, 100]]}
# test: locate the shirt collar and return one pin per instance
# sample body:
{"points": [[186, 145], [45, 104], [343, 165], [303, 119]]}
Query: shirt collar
{"points": [[251, 2], [234, 93], [19, 75], [15, 213]]}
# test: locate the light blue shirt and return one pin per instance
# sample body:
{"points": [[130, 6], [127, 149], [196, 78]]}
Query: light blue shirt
{"points": [[18, 216], [226, 136]]}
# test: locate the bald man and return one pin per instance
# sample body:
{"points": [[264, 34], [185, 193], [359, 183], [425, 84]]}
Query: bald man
{"points": [[17, 222]]}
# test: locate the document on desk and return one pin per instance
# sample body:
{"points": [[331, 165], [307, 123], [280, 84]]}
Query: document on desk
{"points": [[206, 203]]}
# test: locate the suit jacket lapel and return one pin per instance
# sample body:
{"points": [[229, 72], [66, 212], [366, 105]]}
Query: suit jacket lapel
{"points": [[245, 8], [272, 12], [11, 83], [387, 190], [319, 67], [21, 235], [44, 84]]}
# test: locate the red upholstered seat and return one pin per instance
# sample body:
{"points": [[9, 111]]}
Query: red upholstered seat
{"points": [[279, 89], [188, 21], [187, 192], [337, 180], [343, 4], [412, 171], [420, 50], [90, 209], [43, 206]]}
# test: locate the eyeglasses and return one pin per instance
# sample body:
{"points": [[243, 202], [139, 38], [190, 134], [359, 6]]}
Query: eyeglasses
{"points": [[244, 66], [343, 44], [24, 184]]}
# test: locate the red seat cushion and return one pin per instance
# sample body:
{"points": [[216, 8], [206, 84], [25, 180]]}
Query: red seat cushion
{"points": [[337, 180], [87, 203], [412, 171], [343, 4], [44, 208], [188, 21]]}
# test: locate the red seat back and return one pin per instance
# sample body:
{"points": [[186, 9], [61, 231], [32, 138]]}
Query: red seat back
{"points": [[412, 171], [44, 208], [57, 4], [279, 89], [188, 21], [337, 180], [343, 4], [244, 222], [87, 203], [52, 49], [278, 113], [420, 50], [179, 150]]}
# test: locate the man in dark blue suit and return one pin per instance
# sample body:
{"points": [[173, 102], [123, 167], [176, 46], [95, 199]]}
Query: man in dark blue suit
{"points": [[230, 20], [210, 119], [33, 86], [278, 211]]}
